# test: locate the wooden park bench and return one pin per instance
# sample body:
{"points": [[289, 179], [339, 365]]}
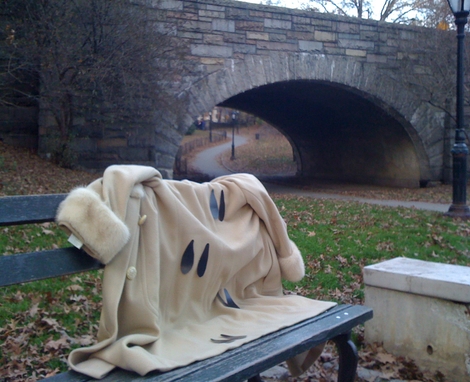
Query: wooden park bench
{"points": [[243, 363]]}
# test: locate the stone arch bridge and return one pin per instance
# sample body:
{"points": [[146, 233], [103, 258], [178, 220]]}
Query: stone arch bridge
{"points": [[359, 100]]}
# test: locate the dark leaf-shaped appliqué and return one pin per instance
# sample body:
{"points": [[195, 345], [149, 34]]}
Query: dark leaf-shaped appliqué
{"points": [[202, 265], [187, 260], [226, 338], [228, 302], [222, 206]]}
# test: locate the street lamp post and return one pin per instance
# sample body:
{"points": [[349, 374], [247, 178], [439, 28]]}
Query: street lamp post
{"points": [[210, 126], [234, 116], [459, 208]]}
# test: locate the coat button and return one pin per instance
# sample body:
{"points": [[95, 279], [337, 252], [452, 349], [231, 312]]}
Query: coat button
{"points": [[142, 219], [131, 273]]}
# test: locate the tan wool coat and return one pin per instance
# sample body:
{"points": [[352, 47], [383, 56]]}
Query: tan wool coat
{"points": [[192, 270]]}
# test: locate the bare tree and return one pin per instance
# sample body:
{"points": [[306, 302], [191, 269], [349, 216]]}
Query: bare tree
{"points": [[357, 8], [94, 59], [419, 12]]}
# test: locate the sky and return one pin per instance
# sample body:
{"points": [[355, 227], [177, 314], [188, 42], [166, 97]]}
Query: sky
{"points": [[298, 3]]}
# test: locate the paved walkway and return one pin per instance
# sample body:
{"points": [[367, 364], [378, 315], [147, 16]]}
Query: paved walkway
{"points": [[276, 188], [206, 162]]}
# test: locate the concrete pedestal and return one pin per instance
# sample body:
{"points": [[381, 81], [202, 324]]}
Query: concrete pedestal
{"points": [[422, 311]]}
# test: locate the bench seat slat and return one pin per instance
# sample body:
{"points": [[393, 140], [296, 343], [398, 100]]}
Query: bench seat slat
{"points": [[16, 210], [254, 357], [44, 264]]}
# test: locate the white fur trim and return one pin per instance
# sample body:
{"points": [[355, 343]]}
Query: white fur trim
{"points": [[292, 266], [85, 215]]}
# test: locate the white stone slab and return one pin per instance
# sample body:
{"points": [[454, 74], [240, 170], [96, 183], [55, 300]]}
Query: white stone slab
{"points": [[433, 332], [445, 281]]}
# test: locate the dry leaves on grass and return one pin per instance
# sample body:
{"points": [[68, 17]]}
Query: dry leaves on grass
{"points": [[35, 342], [22, 172]]}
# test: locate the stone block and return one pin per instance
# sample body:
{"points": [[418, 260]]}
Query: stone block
{"points": [[301, 20], [211, 13], [324, 36], [191, 35], [244, 48], [211, 50], [370, 35], [304, 28], [322, 23], [223, 25], [213, 39], [277, 24], [368, 27], [310, 46], [183, 15], [422, 311], [347, 27], [218, 8], [257, 36], [194, 26], [446, 281], [356, 53], [237, 13], [299, 35], [355, 44], [277, 37], [283, 46], [260, 13], [234, 38], [249, 25]]}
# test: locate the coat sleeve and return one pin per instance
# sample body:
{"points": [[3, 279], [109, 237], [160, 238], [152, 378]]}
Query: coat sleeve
{"points": [[95, 215], [85, 215], [256, 195]]}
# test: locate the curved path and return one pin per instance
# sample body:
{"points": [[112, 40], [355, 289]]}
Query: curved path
{"points": [[206, 162]]}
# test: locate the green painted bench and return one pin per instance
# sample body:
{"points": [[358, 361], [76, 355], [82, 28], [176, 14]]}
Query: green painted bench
{"points": [[243, 363]]}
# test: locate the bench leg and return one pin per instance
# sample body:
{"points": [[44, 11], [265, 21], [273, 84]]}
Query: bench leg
{"points": [[256, 378], [348, 357]]}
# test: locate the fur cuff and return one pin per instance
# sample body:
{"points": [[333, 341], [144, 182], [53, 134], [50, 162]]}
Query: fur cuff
{"points": [[292, 266], [85, 215]]}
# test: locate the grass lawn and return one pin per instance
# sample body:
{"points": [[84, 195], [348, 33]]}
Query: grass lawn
{"points": [[41, 322]]}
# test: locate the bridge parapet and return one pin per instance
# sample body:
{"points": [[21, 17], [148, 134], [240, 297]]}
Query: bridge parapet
{"points": [[220, 30]]}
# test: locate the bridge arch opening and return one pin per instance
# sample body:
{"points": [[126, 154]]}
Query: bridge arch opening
{"points": [[225, 140], [338, 133]]}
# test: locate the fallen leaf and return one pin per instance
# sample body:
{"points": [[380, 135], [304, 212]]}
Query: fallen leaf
{"points": [[33, 310], [60, 343]]}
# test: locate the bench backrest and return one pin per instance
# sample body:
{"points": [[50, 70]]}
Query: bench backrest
{"points": [[25, 267]]}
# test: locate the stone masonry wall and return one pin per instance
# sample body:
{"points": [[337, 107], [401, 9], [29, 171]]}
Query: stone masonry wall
{"points": [[220, 30]]}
